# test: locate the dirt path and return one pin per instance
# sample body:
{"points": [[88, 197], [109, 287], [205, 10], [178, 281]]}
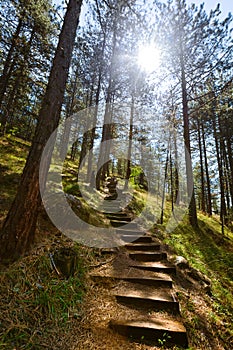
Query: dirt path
{"points": [[135, 306]]}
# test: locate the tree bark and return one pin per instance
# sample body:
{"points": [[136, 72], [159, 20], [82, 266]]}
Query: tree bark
{"points": [[220, 169], [164, 185], [230, 159], [203, 194], [19, 227], [107, 127], [93, 130], [128, 168], [5, 75], [209, 199], [189, 170]]}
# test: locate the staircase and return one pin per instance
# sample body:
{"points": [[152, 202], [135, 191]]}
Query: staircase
{"points": [[144, 283]]}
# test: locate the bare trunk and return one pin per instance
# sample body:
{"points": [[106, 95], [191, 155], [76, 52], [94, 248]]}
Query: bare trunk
{"points": [[220, 170], [106, 133], [230, 158], [128, 169], [5, 75], [189, 170], [209, 199], [164, 186], [203, 195]]}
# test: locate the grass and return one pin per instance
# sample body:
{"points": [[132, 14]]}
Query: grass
{"points": [[211, 253], [38, 306], [36, 303], [13, 154]]}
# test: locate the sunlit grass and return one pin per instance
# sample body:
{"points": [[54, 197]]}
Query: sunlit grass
{"points": [[211, 253], [13, 156]]}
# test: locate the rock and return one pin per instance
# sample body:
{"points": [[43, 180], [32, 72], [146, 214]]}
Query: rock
{"points": [[73, 200], [181, 262], [208, 290]]}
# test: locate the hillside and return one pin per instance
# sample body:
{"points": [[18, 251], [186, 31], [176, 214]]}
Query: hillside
{"points": [[43, 310]]}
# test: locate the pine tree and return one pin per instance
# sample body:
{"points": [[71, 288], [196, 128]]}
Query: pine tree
{"points": [[19, 227]]}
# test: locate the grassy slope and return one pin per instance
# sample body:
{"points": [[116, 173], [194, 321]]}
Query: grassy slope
{"points": [[207, 317], [211, 253], [38, 308], [13, 152]]}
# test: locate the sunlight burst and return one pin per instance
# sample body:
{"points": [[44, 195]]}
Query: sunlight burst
{"points": [[149, 58]]}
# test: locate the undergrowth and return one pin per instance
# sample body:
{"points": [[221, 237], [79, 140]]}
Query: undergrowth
{"points": [[37, 305], [211, 253]]}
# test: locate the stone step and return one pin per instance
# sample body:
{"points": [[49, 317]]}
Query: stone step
{"points": [[164, 267], [158, 281], [156, 300], [148, 256], [149, 247], [153, 331], [137, 238]]}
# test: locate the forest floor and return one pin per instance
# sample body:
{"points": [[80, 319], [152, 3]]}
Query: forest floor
{"points": [[40, 309]]}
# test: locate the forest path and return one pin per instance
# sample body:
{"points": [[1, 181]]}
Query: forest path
{"points": [[139, 279]]}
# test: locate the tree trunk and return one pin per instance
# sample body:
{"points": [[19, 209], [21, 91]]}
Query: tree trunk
{"points": [[93, 130], [67, 127], [164, 185], [203, 194], [230, 158], [19, 227], [189, 170], [220, 170], [128, 168], [176, 172], [107, 127], [171, 180], [209, 199], [5, 75]]}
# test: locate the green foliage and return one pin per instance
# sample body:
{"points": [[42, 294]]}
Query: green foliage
{"points": [[27, 56], [162, 342], [137, 178], [73, 189], [13, 153]]}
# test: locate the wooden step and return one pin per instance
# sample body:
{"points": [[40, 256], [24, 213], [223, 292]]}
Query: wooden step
{"points": [[157, 300], [119, 223], [118, 214], [115, 217], [107, 206], [158, 281], [148, 256], [114, 208], [128, 231], [149, 247], [136, 238], [164, 267], [113, 202], [153, 331]]}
